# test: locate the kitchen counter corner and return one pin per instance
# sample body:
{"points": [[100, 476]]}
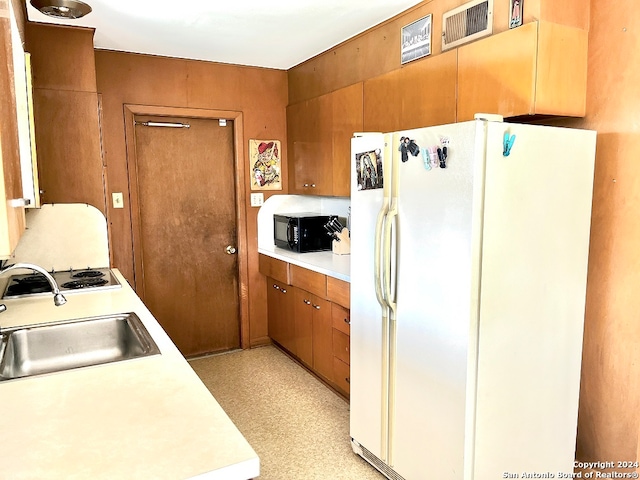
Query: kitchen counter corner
{"points": [[149, 417]]}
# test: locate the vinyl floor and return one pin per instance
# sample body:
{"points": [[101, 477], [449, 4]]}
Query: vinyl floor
{"points": [[298, 426]]}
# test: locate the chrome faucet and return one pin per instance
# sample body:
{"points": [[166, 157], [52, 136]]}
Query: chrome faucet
{"points": [[58, 298]]}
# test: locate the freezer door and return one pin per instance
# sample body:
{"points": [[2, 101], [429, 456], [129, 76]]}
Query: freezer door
{"points": [[438, 211], [366, 402], [535, 251]]}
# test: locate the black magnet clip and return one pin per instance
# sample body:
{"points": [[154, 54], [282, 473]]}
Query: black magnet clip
{"points": [[442, 156]]}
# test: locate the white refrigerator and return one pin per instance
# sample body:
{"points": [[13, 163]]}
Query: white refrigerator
{"points": [[469, 248]]}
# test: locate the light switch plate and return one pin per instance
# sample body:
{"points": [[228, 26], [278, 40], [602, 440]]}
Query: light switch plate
{"points": [[118, 201], [257, 199]]}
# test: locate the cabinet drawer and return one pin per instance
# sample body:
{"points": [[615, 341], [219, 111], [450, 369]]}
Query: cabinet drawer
{"points": [[338, 291], [340, 318], [274, 268], [341, 346], [308, 280], [341, 375]]}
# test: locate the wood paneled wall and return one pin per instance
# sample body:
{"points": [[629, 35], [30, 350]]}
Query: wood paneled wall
{"points": [[260, 94], [609, 414]]}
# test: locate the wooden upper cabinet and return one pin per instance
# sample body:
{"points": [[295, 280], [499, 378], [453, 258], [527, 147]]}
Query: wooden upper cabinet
{"points": [[419, 94], [12, 218], [319, 134], [537, 69], [68, 133], [62, 57], [347, 118], [309, 140]]}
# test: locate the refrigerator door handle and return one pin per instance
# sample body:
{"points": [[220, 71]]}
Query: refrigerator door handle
{"points": [[387, 253], [378, 263]]}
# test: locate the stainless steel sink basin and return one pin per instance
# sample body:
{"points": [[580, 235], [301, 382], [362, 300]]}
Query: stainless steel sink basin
{"points": [[54, 347]]}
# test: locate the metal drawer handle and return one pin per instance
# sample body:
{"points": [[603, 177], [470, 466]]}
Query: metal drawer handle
{"points": [[347, 379], [276, 286], [347, 321], [317, 307], [283, 290], [306, 301]]}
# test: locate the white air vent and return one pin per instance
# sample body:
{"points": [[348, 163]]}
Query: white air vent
{"points": [[466, 23]]}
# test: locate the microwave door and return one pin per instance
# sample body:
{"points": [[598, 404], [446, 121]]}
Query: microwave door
{"points": [[292, 239]]}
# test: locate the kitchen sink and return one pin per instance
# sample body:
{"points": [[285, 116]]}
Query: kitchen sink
{"points": [[54, 347]]}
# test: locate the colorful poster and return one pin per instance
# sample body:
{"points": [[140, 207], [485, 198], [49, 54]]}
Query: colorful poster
{"points": [[265, 164]]}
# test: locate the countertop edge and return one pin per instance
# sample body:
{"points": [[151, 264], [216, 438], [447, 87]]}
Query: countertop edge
{"points": [[327, 263]]}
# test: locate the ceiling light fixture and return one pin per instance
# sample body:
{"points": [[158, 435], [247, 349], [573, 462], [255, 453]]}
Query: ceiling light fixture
{"points": [[68, 9]]}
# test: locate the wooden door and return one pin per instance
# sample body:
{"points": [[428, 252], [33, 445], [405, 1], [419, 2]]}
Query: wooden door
{"points": [[185, 220]]}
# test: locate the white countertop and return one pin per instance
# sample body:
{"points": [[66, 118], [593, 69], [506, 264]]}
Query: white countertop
{"points": [[328, 263], [145, 418]]}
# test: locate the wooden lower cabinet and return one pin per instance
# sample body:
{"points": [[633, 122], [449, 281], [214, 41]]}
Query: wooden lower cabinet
{"points": [[341, 375], [340, 322], [309, 326], [322, 337], [280, 310], [303, 320]]}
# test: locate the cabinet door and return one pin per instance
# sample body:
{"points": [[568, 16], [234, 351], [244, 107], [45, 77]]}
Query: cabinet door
{"points": [[342, 374], [346, 119], [280, 314], [68, 115], [322, 337], [303, 321], [12, 219], [309, 140], [539, 68], [497, 74], [338, 291], [420, 94]]}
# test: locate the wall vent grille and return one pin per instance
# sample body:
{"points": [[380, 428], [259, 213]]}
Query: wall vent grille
{"points": [[466, 23]]}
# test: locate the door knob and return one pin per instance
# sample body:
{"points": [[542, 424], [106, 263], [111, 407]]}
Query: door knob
{"points": [[230, 250]]}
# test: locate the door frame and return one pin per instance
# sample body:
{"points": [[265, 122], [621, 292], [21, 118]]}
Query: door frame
{"points": [[130, 111]]}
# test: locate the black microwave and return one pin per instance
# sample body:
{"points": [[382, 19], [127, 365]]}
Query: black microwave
{"points": [[302, 232]]}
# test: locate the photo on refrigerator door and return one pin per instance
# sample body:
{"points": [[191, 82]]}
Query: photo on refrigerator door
{"points": [[369, 170]]}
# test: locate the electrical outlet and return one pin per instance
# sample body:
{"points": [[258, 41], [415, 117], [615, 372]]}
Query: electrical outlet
{"points": [[257, 199], [118, 201]]}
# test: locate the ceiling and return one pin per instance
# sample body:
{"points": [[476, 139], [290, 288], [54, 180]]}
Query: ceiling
{"points": [[275, 34]]}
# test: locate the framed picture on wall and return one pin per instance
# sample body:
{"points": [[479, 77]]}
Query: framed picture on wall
{"points": [[516, 9], [265, 164], [416, 39]]}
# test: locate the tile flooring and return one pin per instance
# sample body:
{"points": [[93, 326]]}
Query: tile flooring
{"points": [[298, 426]]}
